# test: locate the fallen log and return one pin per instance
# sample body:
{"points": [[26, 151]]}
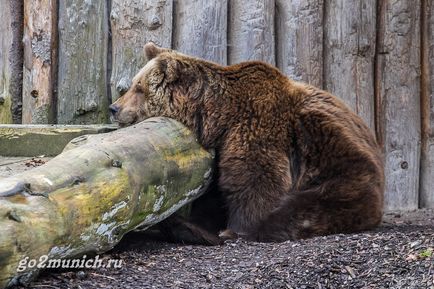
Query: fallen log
{"points": [[99, 188]]}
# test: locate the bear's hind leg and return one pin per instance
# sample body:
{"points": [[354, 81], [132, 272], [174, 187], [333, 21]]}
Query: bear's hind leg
{"points": [[306, 214], [253, 184]]}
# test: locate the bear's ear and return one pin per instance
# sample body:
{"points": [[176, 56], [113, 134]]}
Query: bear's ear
{"points": [[151, 50], [170, 67]]}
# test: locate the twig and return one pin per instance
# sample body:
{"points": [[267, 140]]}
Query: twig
{"points": [[104, 276]]}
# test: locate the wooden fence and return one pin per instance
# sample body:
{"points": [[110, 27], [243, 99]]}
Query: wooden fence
{"points": [[377, 55]]}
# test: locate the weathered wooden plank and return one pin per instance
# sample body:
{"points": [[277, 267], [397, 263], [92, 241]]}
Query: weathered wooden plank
{"points": [[201, 29], [300, 37], [82, 79], [40, 48], [349, 53], [49, 140], [251, 31], [427, 105], [398, 92], [11, 61], [133, 24]]}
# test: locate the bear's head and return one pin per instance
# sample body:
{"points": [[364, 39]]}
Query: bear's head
{"points": [[163, 87]]}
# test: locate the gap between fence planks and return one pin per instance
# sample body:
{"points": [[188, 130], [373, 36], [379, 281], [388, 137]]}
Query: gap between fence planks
{"points": [[427, 106]]}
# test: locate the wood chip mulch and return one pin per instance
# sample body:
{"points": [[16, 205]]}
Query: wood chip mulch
{"points": [[399, 254]]}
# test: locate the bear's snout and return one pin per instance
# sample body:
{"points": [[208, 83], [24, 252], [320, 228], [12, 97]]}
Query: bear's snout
{"points": [[122, 115], [113, 109]]}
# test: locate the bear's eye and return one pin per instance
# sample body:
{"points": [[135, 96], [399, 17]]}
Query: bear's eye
{"points": [[138, 88]]}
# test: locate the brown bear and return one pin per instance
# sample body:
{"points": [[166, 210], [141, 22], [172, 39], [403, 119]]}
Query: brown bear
{"points": [[293, 160]]}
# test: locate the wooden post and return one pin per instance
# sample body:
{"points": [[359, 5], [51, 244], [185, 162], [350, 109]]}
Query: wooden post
{"points": [[11, 61], [40, 49], [251, 31], [349, 53], [133, 24], [201, 29], [427, 106], [82, 78], [398, 97], [300, 38]]}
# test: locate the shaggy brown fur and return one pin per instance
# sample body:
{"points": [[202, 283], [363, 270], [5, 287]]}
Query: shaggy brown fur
{"points": [[294, 160]]}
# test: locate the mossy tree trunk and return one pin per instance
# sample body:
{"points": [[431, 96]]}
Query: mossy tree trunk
{"points": [[99, 188]]}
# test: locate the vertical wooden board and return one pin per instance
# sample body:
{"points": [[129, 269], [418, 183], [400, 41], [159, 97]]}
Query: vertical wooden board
{"points": [[299, 39], [5, 73], [11, 63], [201, 29], [251, 31], [82, 80], [40, 47], [349, 53], [133, 24], [427, 105], [398, 89]]}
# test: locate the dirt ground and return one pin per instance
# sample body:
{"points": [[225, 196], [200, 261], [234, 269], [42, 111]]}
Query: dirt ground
{"points": [[396, 255], [399, 254]]}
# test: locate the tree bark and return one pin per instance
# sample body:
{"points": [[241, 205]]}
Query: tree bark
{"points": [[99, 188]]}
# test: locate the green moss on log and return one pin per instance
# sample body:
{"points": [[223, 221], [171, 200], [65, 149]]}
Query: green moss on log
{"points": [[98, 189]]}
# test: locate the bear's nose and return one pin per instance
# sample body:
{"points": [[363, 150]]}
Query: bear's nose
{"points": [[113, 109]]}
